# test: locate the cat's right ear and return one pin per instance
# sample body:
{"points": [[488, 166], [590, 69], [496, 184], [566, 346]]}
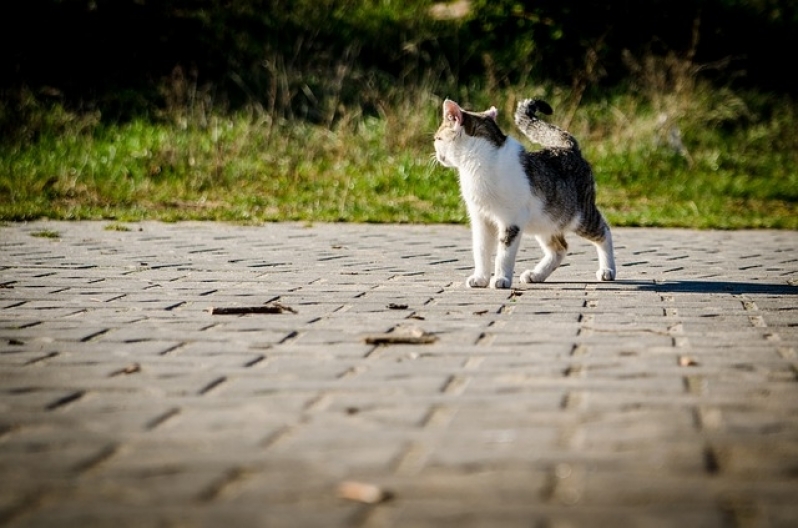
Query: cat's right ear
{"points": [[452, 112]]}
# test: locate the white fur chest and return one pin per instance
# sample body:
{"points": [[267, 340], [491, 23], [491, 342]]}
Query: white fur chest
{"points": [[492, 180]]}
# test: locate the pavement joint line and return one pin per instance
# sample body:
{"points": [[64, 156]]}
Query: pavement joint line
{"points": [[259, 360], [225, 484], [42, 359], [172, 349], [411, 460], [94, 335], [66, 400], [212, 386], [278, 437], [93, 462], [162, 418], [28, 503]]}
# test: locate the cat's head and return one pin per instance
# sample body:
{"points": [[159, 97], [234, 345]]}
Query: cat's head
{"points": [[463, 131]]}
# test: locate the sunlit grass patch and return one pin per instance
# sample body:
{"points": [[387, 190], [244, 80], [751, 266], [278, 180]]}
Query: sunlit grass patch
{"points": [[46, 233], [704, 164]]}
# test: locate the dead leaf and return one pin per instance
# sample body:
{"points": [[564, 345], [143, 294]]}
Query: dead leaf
{"points": [[481, 312], [687, 361], [363, 492], [403, 335], [272, 308], [395, 306], [130, 369]]}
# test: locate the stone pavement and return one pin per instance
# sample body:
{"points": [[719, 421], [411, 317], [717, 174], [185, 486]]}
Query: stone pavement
{"points": [[667, 398]]}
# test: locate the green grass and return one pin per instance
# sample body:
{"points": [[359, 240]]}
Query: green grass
{"points": [[46, 233], [720, 189], [117, 227], [740, 171], [235, 169]]}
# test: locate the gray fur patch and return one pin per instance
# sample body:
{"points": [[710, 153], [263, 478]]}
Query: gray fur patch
{"points": [[478, 125], [510, 234], [563, 179], [559, 174]]}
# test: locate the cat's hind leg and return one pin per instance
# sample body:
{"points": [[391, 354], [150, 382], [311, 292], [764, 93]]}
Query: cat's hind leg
{"points": [[554, 250], [601, 237]]}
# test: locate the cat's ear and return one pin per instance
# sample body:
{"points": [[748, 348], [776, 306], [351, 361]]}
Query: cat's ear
{"points": [[452, 112], [492, 113]]}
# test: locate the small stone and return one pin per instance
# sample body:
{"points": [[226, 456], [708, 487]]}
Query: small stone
{"points": [[363, 492]]}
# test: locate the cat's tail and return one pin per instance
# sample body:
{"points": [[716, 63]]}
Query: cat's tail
{"points": [[538, 131]]}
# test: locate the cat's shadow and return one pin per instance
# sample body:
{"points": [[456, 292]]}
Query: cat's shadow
{"points": [[705, 286]]}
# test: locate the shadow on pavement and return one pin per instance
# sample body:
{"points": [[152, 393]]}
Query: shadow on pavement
{"points": [[703, 286]]}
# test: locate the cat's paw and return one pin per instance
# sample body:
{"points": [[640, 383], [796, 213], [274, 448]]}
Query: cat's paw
{"points": [[502, 283], [605, 274], [477, 281], [530, 276]]}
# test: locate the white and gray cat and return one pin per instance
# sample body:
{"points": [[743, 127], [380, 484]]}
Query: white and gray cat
{"points": [[508, 190]]}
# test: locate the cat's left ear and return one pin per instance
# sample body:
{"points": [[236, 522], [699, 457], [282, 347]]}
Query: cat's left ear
{"points": [[492, 113], [452, 112]]}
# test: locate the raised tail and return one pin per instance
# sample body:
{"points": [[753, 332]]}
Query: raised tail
{"points": [[540, 132]]}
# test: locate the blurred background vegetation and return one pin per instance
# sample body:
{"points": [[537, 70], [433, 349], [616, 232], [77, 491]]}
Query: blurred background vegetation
{"points": [[254, 110]]}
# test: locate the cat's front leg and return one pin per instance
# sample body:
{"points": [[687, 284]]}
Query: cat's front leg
{"points": [[506, 252], [483, 240]]}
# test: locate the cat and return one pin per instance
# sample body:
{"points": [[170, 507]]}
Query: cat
{"points": [[509, 190]]}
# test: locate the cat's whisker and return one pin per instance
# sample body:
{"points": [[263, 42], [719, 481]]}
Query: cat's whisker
{"points": [[430, 165]]}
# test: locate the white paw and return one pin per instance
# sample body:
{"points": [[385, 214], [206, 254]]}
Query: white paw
{"points": [[605, 274], [502, 283], [476, 281], [530, 276]]}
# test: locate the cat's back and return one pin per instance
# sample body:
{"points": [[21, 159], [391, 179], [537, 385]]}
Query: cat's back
{"points": [[557, 164], [562, 179]]}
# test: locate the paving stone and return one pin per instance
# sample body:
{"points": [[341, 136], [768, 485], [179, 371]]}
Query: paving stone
{"points": [[666, 398]]}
